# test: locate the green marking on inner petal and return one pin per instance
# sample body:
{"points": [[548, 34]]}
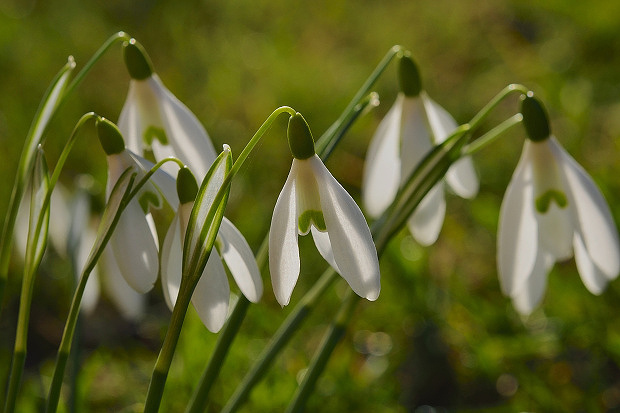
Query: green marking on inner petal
{"points": [[311, 216], [153, 132], [148, 198], [543, 202]]}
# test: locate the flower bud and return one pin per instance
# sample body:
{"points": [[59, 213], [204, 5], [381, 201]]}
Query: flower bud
{"points": [[409, 76], [187, 187], [535, 118], [300, 138], [110, 137], [137, 60]]}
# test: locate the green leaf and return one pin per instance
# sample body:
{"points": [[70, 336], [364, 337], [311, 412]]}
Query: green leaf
{"points": [[39, 213]]}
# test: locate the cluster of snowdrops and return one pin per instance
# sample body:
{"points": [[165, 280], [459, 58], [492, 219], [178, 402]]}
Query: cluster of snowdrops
{"points": [[160, 156]]}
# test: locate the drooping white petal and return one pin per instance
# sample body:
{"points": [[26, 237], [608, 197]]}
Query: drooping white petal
{"points": [[531, 292], [135, 249], [130, 303], [283, 248], [426, 221], [91, 293], [212, 294], [593, 278], [593, 217], [130, 122], [517, 238], [415, 138], [171, 262], [382, 170], [324, 246], [461, 177], [240, 261], [350, 238], [187, 137]]}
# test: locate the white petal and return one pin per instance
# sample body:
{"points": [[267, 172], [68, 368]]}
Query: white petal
{"points": [[162, 180], [593, 278], [442, 124], [529, 295], [91, 293], [212, 294], [415, 138], [555, 232], [594, 219], [426, 221], [517, 238], [323, 244], [171, 263], [283, 249], [135, 249], [130, 303], [240, 261], [462, 178], [186, 135], [130, 122], [382, 169], [350, 238]]}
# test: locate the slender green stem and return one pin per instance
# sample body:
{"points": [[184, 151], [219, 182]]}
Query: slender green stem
{"points": [[335, 333], [164, 360], [477, 120], [326, 143], [285, 332], [492, 135]]}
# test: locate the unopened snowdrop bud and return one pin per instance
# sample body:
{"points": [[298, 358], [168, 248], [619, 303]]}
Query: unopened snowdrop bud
{"points": [[137, 60], [409, 76], [300, 138], [187, 187], [110, 137], [535, 118]]}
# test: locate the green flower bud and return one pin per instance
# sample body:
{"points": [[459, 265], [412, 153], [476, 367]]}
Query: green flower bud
{"points": [[299, 137], [187, 187], [409, 76], [535, 118], [110, 137], [137, 60]]}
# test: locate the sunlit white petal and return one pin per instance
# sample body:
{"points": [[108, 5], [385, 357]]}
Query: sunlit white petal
{"points": [[517, 239], [530, 293], [594, 219], [415, 138], [171, 262], [283, 248], [382, 171], [350, 238], [130, 303], [593, 278], [426, 221], [324, 246], [212, 293], [240, 261]]}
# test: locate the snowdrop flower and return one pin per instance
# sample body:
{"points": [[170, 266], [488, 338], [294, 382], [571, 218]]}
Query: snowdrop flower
{"points": [[134, 242], [407, 133], [211, 296], [313, 201], [153, 118], [552, 209]]}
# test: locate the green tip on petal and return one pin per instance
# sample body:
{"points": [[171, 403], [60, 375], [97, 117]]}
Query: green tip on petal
{"points": [[300, 138], [409, 76], [110, 137], [137, 61], [535, 118], [187, 187], [543, 202]]}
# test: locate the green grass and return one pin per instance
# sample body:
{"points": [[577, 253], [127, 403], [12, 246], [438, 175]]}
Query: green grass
{"points": [[441, 333]]}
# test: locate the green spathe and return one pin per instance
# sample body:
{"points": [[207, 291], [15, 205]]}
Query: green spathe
{"points": [[187, 187], [535, 118], [300, 138], [409, 76], [110, 137], [137, 60]]}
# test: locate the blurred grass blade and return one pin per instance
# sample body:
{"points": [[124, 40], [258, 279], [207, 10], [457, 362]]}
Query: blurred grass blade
{"points": [[45, 112]]}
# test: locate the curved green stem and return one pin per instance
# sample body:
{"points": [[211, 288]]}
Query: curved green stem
{"points": [[492, 135], [477, 120]]}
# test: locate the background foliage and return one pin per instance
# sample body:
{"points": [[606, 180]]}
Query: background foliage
{"points": [[441, 334]]}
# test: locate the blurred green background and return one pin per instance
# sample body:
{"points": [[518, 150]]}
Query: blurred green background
{"points": [[441, 334]]}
